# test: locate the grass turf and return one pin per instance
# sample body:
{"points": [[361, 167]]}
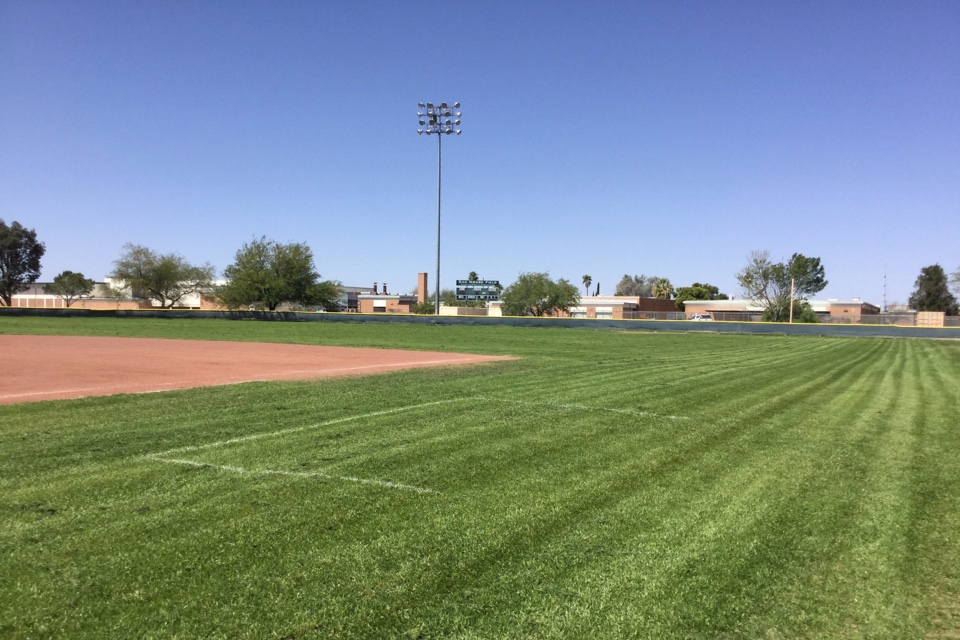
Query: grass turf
{"points": [[605, 485]]}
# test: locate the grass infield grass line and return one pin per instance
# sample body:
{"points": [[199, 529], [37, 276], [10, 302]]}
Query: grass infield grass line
{"points": [[172, 386], [296, 474], [95, 391]]}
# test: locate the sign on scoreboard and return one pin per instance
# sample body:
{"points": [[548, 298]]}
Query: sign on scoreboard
{"points": [[478, 290]]}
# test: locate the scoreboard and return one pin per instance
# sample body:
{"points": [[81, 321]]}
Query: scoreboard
{"points": [[478, 290]]}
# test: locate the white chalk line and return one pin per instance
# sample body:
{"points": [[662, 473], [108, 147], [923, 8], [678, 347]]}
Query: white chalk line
{"points": [[296, 474], [583, 407], [283, 432], [161, 456]]}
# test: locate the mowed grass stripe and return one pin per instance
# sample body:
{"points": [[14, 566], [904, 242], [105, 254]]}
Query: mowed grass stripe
{"points": [[811, 490], [842, 497], [615, 383], [536, 537], [785, 519], [935, 490]]}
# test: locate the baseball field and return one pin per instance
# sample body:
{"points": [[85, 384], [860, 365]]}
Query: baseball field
{"points": [[599, 484]]}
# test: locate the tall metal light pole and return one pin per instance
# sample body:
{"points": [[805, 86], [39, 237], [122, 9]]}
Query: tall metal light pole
{"points": [[438, 119]]}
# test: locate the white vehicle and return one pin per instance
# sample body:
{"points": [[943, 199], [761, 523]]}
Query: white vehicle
{"points": [[702, 317]]}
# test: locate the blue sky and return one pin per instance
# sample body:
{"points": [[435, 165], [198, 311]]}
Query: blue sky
{"points": [[602, 138]]}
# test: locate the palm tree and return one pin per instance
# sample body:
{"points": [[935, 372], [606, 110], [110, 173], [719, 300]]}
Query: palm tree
{"points": [[662, 288], [587, 281]]}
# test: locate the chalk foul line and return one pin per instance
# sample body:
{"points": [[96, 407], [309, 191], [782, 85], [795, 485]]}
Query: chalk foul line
{"points": [[319, 425], [162, 456], [294, 474]]}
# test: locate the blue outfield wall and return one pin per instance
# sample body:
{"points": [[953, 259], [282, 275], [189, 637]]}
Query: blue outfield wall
{"points": [[763, 328]]}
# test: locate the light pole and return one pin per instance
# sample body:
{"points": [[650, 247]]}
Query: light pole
{"points": [[438, 119]]}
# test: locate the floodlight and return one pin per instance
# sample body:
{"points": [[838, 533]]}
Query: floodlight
{"points": [[436, 120]]}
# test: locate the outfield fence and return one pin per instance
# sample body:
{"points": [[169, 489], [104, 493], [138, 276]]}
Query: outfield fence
{"points": [[720, 325]]}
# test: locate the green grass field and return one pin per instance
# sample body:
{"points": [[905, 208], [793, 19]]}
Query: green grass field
{"points": [[606, 485]]}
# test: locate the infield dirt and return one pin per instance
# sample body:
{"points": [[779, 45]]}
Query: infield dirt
{"points": [[58, 367]]}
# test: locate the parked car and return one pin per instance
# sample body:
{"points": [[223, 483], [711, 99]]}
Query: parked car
{"points": [[702, 317]]}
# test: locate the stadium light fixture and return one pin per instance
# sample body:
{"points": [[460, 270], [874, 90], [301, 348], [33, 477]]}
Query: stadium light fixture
{"points": [[437, 120]]}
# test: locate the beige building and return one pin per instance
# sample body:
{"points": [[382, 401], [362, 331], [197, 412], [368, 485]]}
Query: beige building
{"points": [[611, 308], [837, 310], [102, 297]]}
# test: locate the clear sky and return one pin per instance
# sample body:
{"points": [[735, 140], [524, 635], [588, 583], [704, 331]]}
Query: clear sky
{"points": [[599, 137]]}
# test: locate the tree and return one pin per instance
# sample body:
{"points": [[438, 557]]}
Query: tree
{"points": [[641, 286], [266, 274], [472, 276], [807, 276], [804, 313], [165, 278], [448, 297], [535, 294], [587, 281], [20, 254], [955, 282], [662, 288], [769, 284], [423, 308], [70, 287], [698, 291], [932, 292]]}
